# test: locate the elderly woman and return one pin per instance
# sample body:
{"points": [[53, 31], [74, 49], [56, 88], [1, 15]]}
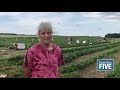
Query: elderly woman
{"points": [[43, 59]]}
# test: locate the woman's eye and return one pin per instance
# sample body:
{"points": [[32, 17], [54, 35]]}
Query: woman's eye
{"points": [[49, 33], [43, 33]]}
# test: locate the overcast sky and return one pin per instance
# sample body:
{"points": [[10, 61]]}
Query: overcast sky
{"points": [[64, 23]]}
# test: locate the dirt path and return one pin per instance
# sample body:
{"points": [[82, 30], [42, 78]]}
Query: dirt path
{"points": [[9, 53], [74, 47], [83, 58], [91, 72]]}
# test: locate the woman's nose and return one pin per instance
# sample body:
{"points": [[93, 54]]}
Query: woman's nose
{"points": [[46, 34]]}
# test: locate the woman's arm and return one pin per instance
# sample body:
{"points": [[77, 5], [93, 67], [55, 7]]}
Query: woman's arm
{"points": [[27, 65], [27, 72]]}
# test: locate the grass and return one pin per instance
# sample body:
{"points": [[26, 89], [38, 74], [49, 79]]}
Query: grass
{"points": [[71, 75], [12, 67], [115, 73]]}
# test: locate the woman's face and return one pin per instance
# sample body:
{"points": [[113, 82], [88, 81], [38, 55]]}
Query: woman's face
{"points": [[45, 36]]}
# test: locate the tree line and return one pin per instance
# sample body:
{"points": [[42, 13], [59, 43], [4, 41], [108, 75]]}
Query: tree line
{"points": [[8, 34], [112, 35]]}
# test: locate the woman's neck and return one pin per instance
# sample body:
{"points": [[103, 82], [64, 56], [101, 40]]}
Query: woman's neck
{"points": [[48, 45]]}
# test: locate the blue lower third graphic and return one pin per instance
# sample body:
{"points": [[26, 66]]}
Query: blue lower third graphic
{"points": [[105, 65]]}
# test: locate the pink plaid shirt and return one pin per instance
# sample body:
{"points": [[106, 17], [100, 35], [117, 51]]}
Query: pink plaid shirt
{"points": [[44, 63]]}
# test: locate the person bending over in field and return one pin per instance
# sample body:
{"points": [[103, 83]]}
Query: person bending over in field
{"points": [[43, 59]]}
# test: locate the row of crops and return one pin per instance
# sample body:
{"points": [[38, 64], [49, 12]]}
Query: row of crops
{"points": [[115, 73], [59, 40], [73, 70], [74, 53], [13, 66]]}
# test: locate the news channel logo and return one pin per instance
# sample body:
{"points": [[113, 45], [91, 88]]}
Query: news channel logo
{"points": [[105, 64]]}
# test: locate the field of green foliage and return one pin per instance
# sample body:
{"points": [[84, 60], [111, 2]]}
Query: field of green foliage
{"points": [[101, 47]]}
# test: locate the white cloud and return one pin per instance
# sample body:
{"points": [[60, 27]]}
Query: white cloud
{"points": [[91, 14], [63, 22], [110, 16], [10, 13]]}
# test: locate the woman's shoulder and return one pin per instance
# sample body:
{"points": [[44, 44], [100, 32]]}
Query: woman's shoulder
{"points": [[56, 47], [34, 47]]}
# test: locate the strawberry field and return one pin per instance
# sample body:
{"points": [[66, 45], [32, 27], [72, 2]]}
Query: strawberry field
{"points": [[80, 58]]}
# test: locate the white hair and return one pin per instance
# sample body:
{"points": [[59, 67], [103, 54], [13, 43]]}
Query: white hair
{"points": [[44, 26]]}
